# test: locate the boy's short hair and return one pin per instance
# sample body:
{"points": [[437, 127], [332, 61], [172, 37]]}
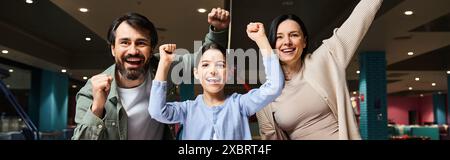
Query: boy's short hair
{"points": [[213, 45], [208, 46]]}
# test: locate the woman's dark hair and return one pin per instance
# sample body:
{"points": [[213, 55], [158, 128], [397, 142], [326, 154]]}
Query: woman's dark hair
{"points": [[274, 28], [136, 21]]}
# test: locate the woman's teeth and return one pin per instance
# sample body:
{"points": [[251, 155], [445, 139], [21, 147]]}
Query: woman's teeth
{"points": [[289, 50]]}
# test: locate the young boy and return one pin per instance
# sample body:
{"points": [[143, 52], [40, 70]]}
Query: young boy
{"points": [[213, 115]]}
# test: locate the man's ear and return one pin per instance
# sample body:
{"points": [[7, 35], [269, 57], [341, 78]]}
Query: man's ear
{"points": [[196, 74], [112, 51]]}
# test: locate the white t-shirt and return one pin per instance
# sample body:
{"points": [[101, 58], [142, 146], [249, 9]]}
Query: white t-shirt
{"points": [[135, 102]]}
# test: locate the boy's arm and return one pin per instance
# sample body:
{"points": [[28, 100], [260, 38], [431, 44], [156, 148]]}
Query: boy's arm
{"points": [[158, 108]]}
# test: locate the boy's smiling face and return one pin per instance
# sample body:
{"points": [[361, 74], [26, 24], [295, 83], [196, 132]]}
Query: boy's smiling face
{"points": [[212, 71]]}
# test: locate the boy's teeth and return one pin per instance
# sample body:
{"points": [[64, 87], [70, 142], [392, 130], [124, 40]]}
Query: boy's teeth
{"points": [[212, 79]]}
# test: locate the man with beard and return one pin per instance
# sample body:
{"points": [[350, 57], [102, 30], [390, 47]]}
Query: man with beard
{"points": [[113, 104]]}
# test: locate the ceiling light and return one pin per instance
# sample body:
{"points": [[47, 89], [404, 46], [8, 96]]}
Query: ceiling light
{"points": [[439, 92], [29, 1], [8, 86], [201, 10], [410, 88], [354, 92], [358, 72], [5, 51], [410, 53], [417, 79], [74, 86], [421, 95], [85, 77], [448, 72], [88, 39], [408, 13], [84, 10], [287, 3], [63, 70], [11, 70], [433, 84]]}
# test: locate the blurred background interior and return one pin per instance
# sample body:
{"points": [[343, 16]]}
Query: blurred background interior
{"points": [[49, 48]]}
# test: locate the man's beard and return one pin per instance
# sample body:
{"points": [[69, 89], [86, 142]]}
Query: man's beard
{"points": [[132, 74]]}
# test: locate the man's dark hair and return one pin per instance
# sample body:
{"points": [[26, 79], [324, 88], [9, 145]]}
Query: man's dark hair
{"points": [[136, 21]]}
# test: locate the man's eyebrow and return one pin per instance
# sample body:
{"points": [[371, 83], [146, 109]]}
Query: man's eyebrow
{"points": [[124, 39], [143, 39]]}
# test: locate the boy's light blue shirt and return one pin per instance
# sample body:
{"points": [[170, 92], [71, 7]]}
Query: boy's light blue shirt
{"points": [[228, 121]]}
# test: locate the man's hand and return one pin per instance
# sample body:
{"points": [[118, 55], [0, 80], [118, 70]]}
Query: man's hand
{"points": [[101, 84], [219, 19]]}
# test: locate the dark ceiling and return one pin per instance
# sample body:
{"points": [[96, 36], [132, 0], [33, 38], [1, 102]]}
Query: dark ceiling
{"points": [[37, 29], [441, 24], [437, 60], [319, 16]]}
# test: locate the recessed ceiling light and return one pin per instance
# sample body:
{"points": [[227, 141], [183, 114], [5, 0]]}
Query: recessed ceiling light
{"points": [[433, 84], [358, 72], [74, 86], [448, 72], [408, 13], [287, 3], [29, 1], [5, 51], [63, 70], [88, 39], [417, 79], [410, 53], [201, 10], [84, 10], [11, 70], [410, 88], [85, 77], [421, 95]]}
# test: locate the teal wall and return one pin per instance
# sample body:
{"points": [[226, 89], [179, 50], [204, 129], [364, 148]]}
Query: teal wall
{"points": [[448, 99], [49, 100], [439, 108], [373, 89]]}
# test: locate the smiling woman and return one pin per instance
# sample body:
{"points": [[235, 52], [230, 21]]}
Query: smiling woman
{"points": [[321, 108]]}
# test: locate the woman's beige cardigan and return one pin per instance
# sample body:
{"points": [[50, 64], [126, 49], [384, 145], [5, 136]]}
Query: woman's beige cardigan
{"points": [[325, 72]]}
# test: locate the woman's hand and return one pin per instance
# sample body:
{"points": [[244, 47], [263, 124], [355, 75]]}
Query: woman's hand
{"points": [[256, 32]]}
